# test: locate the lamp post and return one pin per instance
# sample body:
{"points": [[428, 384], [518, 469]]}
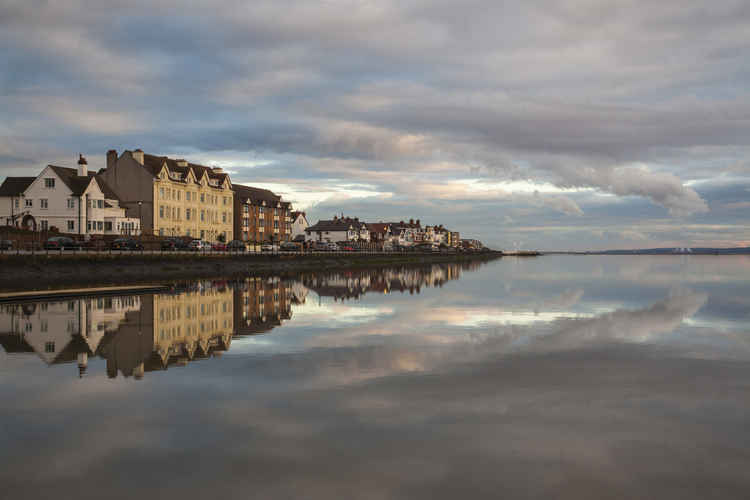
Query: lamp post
{"points": [[140, 217]]}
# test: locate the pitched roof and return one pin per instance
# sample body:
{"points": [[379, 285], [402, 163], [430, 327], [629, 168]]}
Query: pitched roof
{"points": [[337, 225], [76, 183], [255, 194], [378, 227], [153, 164], [15, 186], [79, 183]]}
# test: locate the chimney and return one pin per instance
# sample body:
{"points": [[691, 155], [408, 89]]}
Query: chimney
{"points": [[181, 163], [138, 155], [83, 170], [217, 170], [418, 222], [111, 159]]}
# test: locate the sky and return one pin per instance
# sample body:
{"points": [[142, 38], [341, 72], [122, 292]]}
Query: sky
{"points": [[550, 125]]}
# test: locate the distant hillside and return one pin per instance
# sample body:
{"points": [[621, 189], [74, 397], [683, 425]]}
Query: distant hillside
{"points": [[678, 251]]}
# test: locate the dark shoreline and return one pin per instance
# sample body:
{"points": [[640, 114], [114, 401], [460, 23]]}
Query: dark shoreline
{"points": [[42, 272]]}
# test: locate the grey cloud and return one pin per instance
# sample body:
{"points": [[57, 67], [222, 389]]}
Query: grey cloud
{"points": [[577, 95]]}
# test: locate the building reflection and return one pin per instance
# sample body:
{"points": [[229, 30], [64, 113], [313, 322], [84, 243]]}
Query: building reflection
{"points": [[352, 284], [144, 333]]}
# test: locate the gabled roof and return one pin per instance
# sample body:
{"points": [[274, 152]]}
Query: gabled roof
{"points": [[79, 183], [405, 225], [255, 194], [154, 163], [76, 183], [15, 186], [378, 227], [337, 225]]}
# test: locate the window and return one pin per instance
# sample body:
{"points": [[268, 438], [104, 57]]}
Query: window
{"points": [[187, 214], [161, 232], [178, 196], [224, 217], [16, 200], [161, 193], [88, 226], [71, 225], [99, 225], [161, 211], [203, 218], [28, 203], [100, 203], [203, 197], [71, 202], [43, 203], [49, 347], [44, 225], [187, 196], [49, 183], [71, 306], [44, 326], [107, 226]]}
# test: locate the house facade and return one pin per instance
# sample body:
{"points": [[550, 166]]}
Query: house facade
{"points": [[260, 215], [172, 197], [338, 229], [299, 224], [406, 233], [73, 201]]}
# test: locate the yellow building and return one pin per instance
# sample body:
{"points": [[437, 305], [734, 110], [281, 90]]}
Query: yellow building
{"points": [[172, 197], [192, 322]]}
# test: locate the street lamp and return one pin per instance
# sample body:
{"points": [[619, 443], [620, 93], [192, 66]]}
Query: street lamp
{"points": [[140, 217]]}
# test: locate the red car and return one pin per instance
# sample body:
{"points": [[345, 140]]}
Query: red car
{"points": [[219, 246]]}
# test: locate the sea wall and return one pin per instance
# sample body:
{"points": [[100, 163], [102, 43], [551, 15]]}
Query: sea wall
{"points": [[42, 271]]}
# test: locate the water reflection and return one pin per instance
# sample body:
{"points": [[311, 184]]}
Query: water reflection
{"points": [[558, 377], [144, 333]]}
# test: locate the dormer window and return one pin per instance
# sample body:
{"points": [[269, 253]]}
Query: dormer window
{"points": [[49, 183]]}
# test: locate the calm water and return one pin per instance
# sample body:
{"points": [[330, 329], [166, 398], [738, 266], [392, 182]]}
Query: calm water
{"points": [[556, 377]]}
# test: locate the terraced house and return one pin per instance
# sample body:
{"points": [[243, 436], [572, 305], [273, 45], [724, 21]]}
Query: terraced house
{"points": [[261, 215], [172, 197]]}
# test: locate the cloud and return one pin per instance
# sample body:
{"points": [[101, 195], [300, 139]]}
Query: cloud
{"points": [[638, 102]]}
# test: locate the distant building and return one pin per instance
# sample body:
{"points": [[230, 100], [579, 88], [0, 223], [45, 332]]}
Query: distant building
{"points": [[74, 201], [338, 229], [299, 224], [406, 233], [380, 232], [260, 215], [172, 197]]}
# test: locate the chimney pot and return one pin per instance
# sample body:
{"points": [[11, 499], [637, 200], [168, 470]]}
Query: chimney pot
{"points": [[82, 166], [138, 155]]}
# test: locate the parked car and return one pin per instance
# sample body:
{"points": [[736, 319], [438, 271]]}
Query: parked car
{"points": [[126, 244], [6, 244], [290, 246], [61, 243], [199, 246], [427, 247], [332, 247], [237, 246], [268, 247], [174, 244], [219, 246]]}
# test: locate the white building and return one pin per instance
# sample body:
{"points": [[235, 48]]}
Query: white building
{"points": [[299, 224], [338, 229], [72, 201]]}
